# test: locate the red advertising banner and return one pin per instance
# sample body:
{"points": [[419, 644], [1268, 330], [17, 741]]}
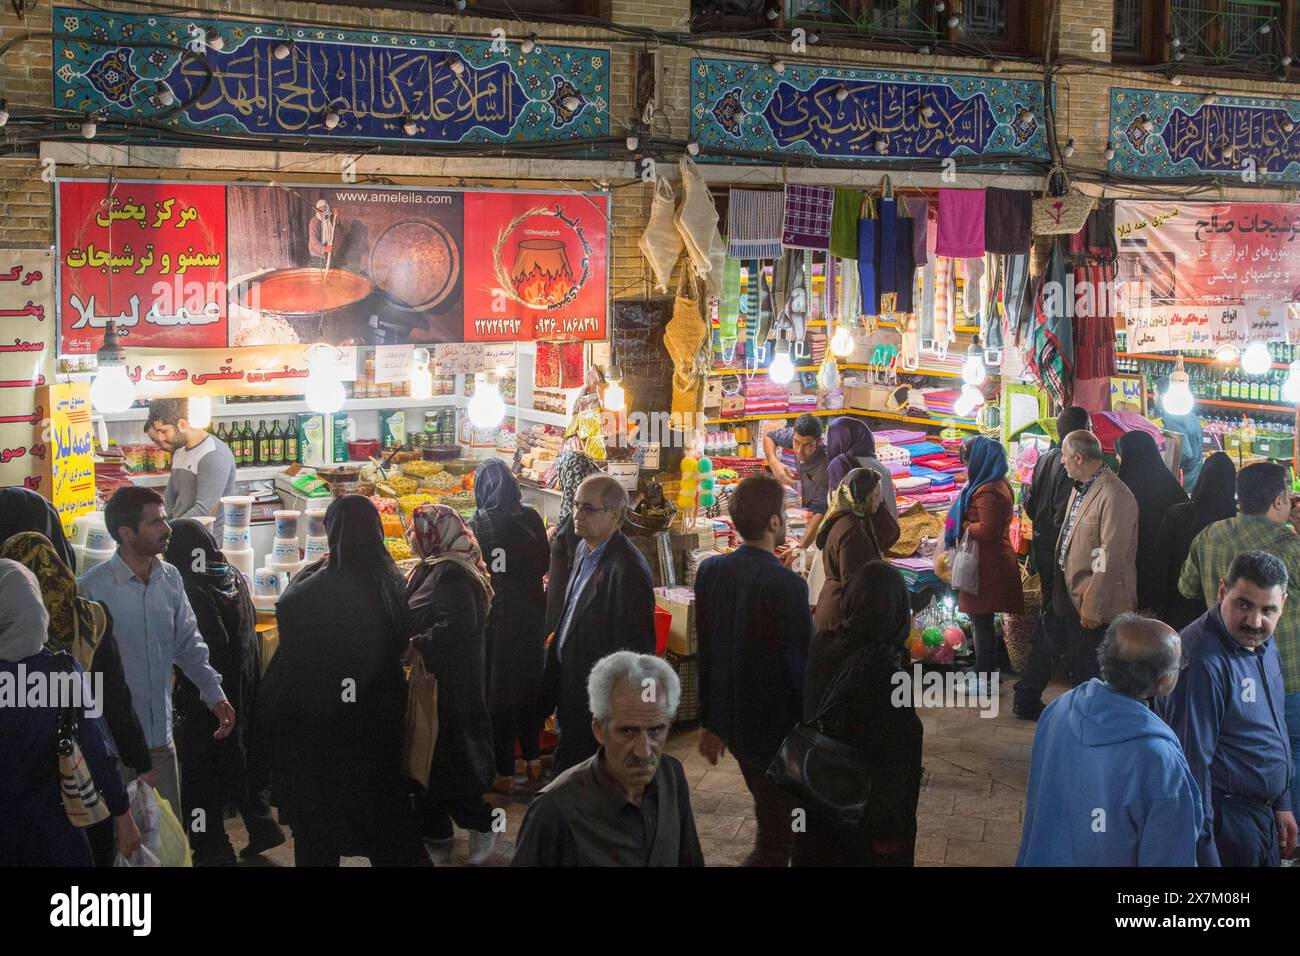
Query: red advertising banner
{"points": [[26, 364], [151, 255], [535, 266], [1189, 253]]}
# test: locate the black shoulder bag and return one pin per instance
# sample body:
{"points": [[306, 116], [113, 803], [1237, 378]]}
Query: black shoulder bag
{"points": [[820, 772]]}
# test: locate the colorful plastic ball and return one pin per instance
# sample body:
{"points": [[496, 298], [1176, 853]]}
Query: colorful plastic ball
{"points": [[708, 499], [705, 465], [685, 502], [932, 636], [706, 483], [690, 464], [942, 654], [954, 636], [917, 649]]}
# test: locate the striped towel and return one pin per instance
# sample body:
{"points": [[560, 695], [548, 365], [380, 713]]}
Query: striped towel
{"points": [[807, 220], [754, 224]]}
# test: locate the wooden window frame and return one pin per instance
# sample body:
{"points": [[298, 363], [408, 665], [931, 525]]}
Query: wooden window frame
{"points": [[1152, 39]]}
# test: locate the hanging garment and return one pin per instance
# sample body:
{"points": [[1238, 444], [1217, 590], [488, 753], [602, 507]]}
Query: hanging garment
{"points": [[867, 260], [1015, 297], [961, 223], [844, 223], [1051, 351], [972, 289], [886, 248], [1094, 325], [754, 224], [792, 291], [919, 210], [807, 220], [1007, 217], [992, 330], [905, 264]]}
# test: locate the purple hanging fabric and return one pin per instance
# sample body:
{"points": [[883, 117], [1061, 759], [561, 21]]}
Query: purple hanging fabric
{"points": [[920, 212]]}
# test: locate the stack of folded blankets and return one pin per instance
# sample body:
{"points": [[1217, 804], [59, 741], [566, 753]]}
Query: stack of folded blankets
{"points": [[940, 402], [766, 398], [918, 573], [895, 458]]}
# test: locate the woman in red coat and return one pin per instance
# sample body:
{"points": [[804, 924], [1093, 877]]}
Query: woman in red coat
{"points": [[985, 509]]}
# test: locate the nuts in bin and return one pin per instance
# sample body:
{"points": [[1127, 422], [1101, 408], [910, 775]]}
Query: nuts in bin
{"points": [[398, 485], [422, 469], [398, 548]]}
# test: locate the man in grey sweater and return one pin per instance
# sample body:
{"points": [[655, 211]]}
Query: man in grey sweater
{"points": [[203, 468]]}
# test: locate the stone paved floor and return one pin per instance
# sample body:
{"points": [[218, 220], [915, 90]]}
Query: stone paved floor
{"points": [[970, 811]]}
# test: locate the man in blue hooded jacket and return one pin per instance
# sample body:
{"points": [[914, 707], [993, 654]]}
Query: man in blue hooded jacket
{"points": [[1108, 782]]}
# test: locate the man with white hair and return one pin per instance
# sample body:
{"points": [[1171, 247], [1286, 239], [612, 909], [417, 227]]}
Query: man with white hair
{"points": [[629, 805]]}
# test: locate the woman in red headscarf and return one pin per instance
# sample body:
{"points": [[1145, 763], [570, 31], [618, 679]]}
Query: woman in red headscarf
{"points": [[450, 595]]}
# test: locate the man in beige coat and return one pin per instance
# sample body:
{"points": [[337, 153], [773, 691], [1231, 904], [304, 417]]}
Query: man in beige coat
{"points": [[1096, 552]]}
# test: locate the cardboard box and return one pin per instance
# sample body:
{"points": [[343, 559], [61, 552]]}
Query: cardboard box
{"points": [[681, 635], [869, 397]]}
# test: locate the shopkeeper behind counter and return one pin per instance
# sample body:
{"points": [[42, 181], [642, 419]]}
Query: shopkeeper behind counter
{"points": [[805, 439], [203, 468]]}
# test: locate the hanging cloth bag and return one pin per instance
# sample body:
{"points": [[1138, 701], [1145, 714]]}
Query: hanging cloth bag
{"points": [[697, 222], [82, 801], [661, 243], [683, 335]]}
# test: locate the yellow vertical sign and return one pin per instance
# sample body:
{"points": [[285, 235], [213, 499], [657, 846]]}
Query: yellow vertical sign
{"points": [[71, 451]]}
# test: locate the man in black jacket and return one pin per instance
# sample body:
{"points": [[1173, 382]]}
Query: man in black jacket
{"points": [[608, 606], [754, 628], [1045, 501]]}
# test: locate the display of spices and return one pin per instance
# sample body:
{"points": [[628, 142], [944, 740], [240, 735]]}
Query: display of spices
{"points": [[443, 481], [408, 503], [395, 486], [422, 469], [399, 548]]}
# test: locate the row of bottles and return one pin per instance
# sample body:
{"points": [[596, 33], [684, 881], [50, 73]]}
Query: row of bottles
{"points": [[273, 446], [1282, 352], [1214, 382]]}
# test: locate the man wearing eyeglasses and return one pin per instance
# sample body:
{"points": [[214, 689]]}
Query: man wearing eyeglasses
{"points": [[608, 606]]}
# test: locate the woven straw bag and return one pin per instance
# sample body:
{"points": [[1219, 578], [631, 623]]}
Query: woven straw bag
{"points": [[1062, 215], [661, 243]]}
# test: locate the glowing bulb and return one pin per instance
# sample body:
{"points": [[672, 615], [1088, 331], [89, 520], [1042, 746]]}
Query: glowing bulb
{"points": [[200, 412], [781, 371], [1291, 387], [882, 145], [89, 128], [1256, 360], [615, 399], [1069, 147], [324, 392], [112, 389], [842, 342], [1226, 353], [970, 399], [632, 143], [1179, 399], [973, 371], [1209, 99], [486, 408]]}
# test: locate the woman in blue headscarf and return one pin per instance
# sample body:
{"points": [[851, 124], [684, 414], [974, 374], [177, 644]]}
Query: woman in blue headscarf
{"points": [[984, 508], [850, 444]]}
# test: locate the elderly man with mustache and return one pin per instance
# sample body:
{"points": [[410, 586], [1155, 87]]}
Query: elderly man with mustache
{"points": [[1227, 713], [629, 805]]}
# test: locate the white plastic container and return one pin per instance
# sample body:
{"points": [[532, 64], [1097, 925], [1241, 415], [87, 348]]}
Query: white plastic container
{"points": [[241, 560], [286, 525], [238, 510], [316, 524], [285, 551], [237, 538], [317, 548]]}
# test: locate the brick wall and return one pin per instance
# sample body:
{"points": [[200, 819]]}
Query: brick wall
{"points": [[1082, 101]]}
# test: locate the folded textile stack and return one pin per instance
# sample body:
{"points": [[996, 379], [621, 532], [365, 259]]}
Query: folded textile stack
{"points": [[919, 449], [898, 436], [918, 573], [939, 480], [762, 398], [898, 468], [940, 401]]}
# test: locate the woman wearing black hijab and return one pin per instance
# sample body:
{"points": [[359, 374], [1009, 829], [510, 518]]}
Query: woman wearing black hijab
{"points": [[217, 772], [1213, 499], [334, 697], [25, 510], [1156, 489], [513, 542], [876, 620]]}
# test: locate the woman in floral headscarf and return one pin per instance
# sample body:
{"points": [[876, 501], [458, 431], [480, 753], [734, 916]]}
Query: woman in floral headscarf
{"points": [[84, 629], [450, 595]]}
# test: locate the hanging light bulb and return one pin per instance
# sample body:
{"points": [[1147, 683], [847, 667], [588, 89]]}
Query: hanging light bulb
{"points": [[486, 408], [1256, 359], [973, 371], [215, 40], [615, 397], [112, 389], [1291, 387], [571, 103], [1110, 152], [841, 93], [1025, 116], [456, 65], [778, 66], [998, 66], [1175, 80], [882, 145], [1209, 99], [1069, 148], [200, 411], [421, 378], [4, 112], [165, 95], [409, 126], [529, 44], [1226, 354], [324, 391], [781, 371], [1179, 400], [1147, 125], [282, 50], [842, 341], [89, 127], [693, 148], [332, 118], [970, 399], [632, 143]]}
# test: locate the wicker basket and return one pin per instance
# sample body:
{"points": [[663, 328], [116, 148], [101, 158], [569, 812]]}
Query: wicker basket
{"points": [[1018, 629], [687, 668]]}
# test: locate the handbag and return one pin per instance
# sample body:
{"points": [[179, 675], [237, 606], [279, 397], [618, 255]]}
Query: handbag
{"points": [[81, 798], [966, 564], [820, 772], [421, 727], [1061, 215]]}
